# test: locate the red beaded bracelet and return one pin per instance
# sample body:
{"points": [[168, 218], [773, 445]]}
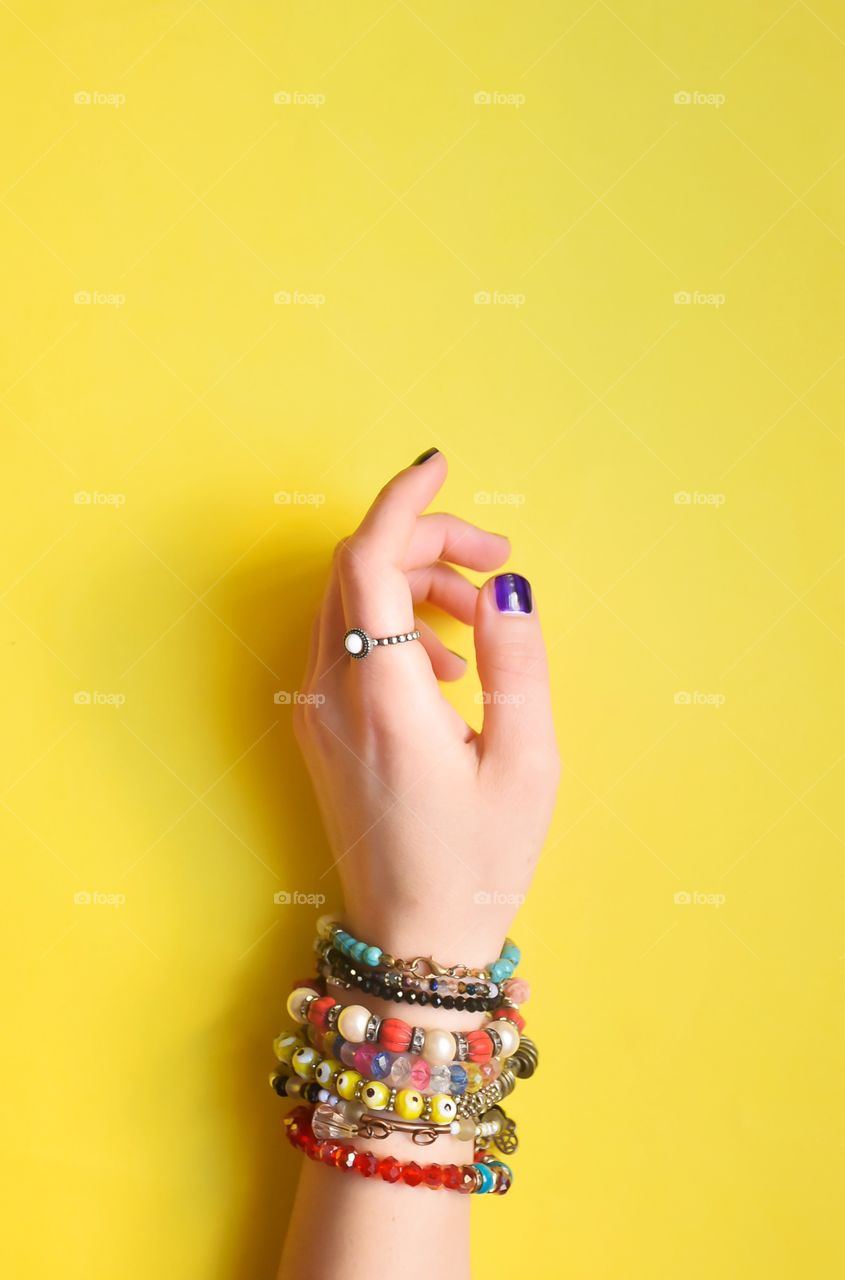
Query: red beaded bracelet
{"points": [[498, 1039], [486, 1176]]}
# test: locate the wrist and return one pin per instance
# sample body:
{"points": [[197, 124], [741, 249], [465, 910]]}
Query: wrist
{"points": [[471, 937]]}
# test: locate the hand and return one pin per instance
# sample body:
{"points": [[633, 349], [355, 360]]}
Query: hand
{"points": [[435, 829]]}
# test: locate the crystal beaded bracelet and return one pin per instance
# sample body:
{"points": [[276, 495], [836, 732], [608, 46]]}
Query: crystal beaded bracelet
{"points": [[470, 994], [485, 1176]]}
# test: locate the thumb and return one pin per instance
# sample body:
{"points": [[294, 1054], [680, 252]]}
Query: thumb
{"points": [[518, 728]]}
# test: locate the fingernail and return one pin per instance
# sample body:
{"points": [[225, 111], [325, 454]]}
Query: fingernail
{"points": [[513, 593], [424, 457]]}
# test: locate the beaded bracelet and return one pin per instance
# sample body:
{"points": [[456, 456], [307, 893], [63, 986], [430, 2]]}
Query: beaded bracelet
{"points": [[336, 1082], [396, 1069], [498, 1039], [329, 930], [485, 1176], [470, 994], [346, 1118], [327, 1081]]}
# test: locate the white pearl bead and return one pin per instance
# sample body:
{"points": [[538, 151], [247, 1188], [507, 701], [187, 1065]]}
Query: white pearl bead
{"points": [[354, 643], [352, 1023], [439, 1047], [508, 1034], [295, 999]]}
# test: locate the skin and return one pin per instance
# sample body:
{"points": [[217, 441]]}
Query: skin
{"points": [[424, 817]]}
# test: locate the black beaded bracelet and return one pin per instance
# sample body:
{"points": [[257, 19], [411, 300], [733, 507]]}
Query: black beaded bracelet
{"points": [[336, 965]]}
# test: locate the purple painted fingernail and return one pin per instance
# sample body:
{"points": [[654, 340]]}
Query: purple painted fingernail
{"points": [[513, 593]]}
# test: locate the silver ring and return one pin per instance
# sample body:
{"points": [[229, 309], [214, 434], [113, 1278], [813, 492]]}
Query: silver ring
{"points": [[358, 643]]}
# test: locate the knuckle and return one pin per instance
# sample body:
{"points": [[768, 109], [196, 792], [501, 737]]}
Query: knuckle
{"points": [[355, 557]]}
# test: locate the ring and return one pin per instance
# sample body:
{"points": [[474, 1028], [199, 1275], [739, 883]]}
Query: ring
{"points": [[358, 643]]}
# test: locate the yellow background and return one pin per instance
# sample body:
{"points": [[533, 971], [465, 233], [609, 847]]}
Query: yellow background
{"points": [[687, 1118]]}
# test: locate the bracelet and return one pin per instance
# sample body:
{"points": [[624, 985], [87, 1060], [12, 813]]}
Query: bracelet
{"points": [[460, 995], [498, 1039], [327, 1055], [329, 930], [484, 1176], [351, 1120], [357, 1075]]}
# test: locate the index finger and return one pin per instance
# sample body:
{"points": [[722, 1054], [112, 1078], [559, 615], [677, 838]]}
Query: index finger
{"points": [[374, 588]]}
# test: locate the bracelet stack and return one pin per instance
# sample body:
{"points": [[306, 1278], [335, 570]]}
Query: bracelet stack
{"points": [[357, 1075]]}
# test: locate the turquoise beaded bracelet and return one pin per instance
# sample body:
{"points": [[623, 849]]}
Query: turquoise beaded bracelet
{"points": [[330, 930]]}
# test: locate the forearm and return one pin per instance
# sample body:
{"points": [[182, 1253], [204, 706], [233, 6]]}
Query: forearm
{"points": [[338, 1218]]}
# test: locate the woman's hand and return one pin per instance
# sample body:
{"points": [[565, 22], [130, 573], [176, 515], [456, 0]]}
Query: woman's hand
{"points": [[435, 829]]}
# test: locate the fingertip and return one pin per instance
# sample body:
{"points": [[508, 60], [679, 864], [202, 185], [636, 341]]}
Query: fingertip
{"points": [[425, 456]]}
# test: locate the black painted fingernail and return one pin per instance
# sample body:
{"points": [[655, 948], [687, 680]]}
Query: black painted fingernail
{"points": [[424, 457], [513, 593]]}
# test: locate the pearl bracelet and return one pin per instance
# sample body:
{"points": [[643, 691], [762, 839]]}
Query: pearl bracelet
{"points": [[498, 1039]]}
